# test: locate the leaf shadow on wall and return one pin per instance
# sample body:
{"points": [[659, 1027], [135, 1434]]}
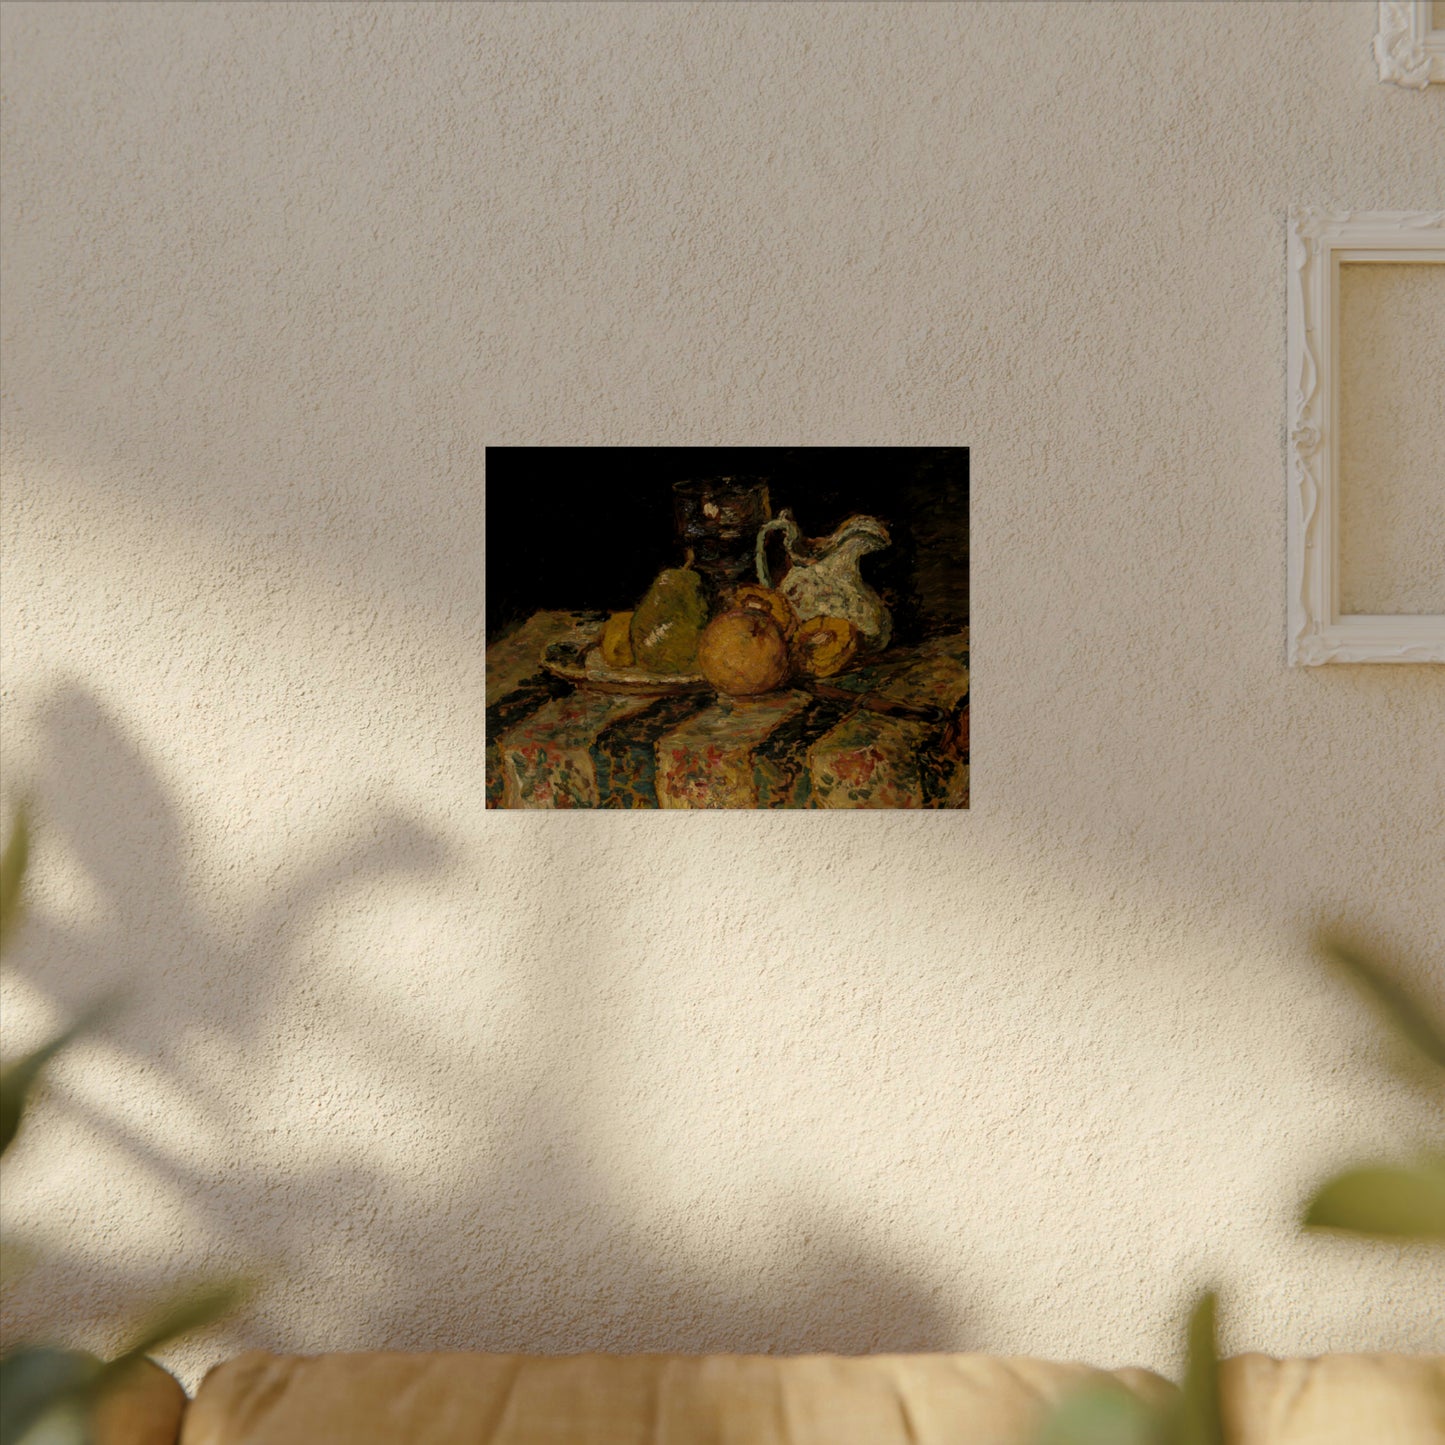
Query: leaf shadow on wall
{"points": [[534, 1250]]}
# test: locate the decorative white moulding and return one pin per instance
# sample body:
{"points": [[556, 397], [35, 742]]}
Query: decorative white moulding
{"points": [[1409, 46], [1320, 241]]}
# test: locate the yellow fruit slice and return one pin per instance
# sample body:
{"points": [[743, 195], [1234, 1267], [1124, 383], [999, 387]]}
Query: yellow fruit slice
{"points": [[825, 645], [617, 641], [752, 597]]}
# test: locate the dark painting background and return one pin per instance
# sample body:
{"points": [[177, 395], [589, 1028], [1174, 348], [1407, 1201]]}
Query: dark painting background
{"points": [[590, 527]]}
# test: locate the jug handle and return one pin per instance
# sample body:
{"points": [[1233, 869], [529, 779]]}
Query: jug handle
{"points": [[783, 523]]}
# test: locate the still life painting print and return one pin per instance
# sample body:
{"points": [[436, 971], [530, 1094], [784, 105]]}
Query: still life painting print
{"points": [[727, 627]]}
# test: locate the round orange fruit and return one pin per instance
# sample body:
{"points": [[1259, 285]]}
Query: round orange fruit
{"points": [[742, 653]]}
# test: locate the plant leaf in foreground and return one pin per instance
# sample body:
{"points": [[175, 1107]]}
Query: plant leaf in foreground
{"points": [[12, 871], [1395, 1201], [1199, 1419], [19, 1078], [40, 1383], [197, 1306], [1408, 1018], [1101, 1414]]}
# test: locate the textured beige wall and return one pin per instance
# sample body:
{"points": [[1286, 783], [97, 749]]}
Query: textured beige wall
{"points": [[1013, 1079], [1392, 438]]}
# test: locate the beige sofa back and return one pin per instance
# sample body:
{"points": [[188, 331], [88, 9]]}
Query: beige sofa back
{"points": [[471, 1399], [1335, 1400], [476, 1399]]}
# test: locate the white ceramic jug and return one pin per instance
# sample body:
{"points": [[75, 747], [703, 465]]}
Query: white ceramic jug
{"points": [[824, 579]]}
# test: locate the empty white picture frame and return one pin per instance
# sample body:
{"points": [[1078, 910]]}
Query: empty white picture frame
{"points": [[1320, 242], [1410, 43]]}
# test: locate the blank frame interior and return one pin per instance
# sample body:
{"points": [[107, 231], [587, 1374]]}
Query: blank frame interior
{"points": [[1366, 341], [1392, 439]]}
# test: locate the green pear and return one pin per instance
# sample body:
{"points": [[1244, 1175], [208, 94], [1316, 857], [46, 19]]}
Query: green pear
{"points": [[667, 623]]}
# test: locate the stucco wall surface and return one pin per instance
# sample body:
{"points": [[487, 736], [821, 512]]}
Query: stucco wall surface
{"points": [[1014, 1079]]}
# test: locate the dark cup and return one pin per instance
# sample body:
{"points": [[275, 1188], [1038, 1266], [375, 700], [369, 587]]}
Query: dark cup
{"points": [[717, 521]]}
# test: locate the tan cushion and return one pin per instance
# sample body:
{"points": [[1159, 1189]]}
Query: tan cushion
{"points": [[143, 1407], [1335, 1400], [475, 1399]]}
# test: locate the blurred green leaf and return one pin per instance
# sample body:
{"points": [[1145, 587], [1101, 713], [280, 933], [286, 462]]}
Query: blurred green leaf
{"points": [[1197, 1418], [53, 1391], [1104, 1413], [1407, 1017], [196, 1306], [68, 1423], [15, 1261], [1392, 1201], [36, 1383], [19, 1078], [12, 871], [47, 1395]]}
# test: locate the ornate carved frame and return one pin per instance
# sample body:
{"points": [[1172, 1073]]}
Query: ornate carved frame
{"points": [[1319, 241], [1409, 48]]}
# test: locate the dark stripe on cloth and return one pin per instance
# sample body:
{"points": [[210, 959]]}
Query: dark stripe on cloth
{"points": [[942, 750], [780, 762], [624, 755]]}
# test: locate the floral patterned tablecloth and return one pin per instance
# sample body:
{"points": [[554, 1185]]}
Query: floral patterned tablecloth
{"points": [[891, 734]]}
